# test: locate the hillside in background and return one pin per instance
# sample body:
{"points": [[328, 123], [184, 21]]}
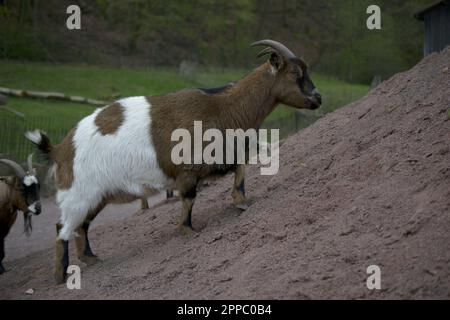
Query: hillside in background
{"points": [[331, 35], [366, 185]]}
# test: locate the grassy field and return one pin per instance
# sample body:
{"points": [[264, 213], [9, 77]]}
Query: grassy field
{"points": [[58, 117]]}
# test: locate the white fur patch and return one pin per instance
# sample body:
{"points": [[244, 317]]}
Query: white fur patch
{"points": [[273, 70], [106, 164], [32, 208], [34, 136], [29, 180]]}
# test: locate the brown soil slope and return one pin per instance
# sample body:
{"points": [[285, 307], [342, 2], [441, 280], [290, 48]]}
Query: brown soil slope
{"points": [[368, 184]]}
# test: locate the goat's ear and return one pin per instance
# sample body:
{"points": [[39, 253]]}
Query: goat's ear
{"points": [[11, 181], [276, 61]]}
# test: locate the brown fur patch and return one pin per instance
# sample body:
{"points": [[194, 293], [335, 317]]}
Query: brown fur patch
{"points": [[110, 119], [63, 155]]}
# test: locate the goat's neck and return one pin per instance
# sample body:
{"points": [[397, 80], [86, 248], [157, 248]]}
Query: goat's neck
{"points": [[251, 100]]}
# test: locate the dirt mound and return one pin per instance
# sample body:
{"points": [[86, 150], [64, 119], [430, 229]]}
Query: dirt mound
{"points": [[366, 185]]}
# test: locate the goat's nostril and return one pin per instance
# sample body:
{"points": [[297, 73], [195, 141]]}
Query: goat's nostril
{"points": [[318, 98]]}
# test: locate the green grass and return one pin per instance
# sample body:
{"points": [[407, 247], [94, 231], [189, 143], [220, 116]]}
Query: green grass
{"points": [[89, 81], [57, 117], [105, 83]]}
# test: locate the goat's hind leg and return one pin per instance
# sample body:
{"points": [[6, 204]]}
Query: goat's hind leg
{"points": [[187, 186], [84, 251], [238, 193]]}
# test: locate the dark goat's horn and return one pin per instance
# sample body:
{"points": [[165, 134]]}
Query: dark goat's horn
{"points": [[280, 48], [18, 170]]}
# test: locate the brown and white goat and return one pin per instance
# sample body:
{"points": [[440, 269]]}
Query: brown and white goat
{"points": [[125, 148], [19, 192]]}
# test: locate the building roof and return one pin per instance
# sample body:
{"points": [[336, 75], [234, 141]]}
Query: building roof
{"points": [[421, 14]]}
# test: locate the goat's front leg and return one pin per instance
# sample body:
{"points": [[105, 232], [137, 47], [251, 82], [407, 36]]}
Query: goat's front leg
{"points": [[238, 193], [2, 254], [187, 186], [61, 257]]}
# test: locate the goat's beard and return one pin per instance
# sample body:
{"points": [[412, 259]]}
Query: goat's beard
{"points": [[27, 225]]}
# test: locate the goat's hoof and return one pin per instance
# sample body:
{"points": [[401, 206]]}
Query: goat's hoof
{"points": [[89, 260], [185, 230], [60, 277], [242, 206]]}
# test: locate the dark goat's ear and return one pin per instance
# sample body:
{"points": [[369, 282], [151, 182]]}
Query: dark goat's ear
{"points": [[276, 61], [300, 62]]}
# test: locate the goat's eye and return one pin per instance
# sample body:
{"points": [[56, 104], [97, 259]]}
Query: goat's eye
{"points": [[297, 73]]}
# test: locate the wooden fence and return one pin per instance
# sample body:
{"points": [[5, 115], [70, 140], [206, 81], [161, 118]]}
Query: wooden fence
{"points": [[290, 124], [12, 141]]}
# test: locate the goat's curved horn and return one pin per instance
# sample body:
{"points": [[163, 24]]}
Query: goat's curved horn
{"points": [[280, 48], [265, 51], [18, 170]]}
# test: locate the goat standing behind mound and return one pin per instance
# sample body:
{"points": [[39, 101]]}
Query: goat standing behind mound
{"points": [[124, 149], [19, 192]]}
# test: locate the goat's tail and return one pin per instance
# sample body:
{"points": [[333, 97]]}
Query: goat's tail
{"points": [[42, 142]]}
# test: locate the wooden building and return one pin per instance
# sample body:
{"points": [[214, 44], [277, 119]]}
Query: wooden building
{"points": [[437, 26]]}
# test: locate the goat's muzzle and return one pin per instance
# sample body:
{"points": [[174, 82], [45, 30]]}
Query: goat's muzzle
{"points": [[35, 208], [315, 100]]}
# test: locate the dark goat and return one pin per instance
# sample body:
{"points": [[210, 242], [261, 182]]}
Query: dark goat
{"points": [[19, 192]]}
